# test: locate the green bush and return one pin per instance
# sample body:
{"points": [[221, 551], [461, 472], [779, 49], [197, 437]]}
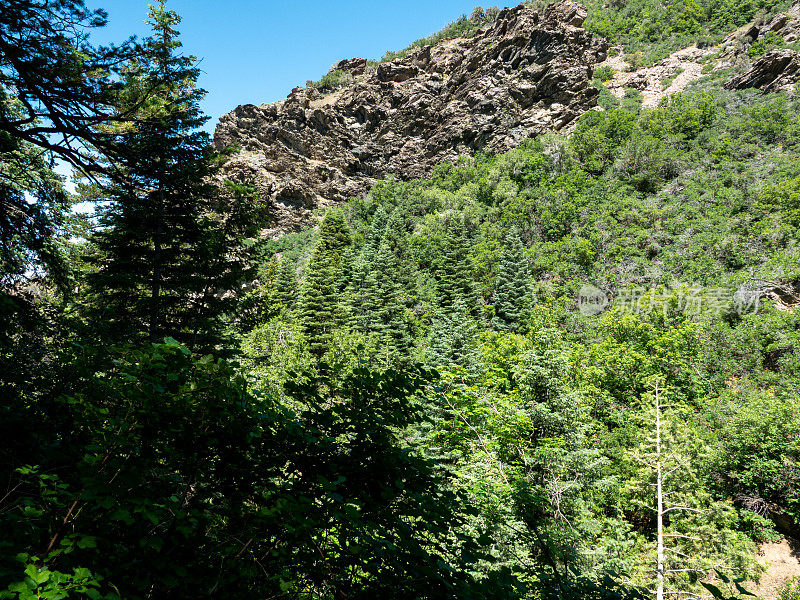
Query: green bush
{"points": [[759, 528], [604, 73], [769, 42], [790, 590], [333, 80]]}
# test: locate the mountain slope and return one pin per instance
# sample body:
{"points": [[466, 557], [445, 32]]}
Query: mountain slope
{"points": [[524, 74]]}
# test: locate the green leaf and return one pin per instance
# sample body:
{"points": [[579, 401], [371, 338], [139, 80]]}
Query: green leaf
{"points": [[37, 576], [87, 542]]}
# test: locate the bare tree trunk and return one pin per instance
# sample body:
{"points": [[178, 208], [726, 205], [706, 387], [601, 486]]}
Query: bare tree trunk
{"points": [[660, 505]]}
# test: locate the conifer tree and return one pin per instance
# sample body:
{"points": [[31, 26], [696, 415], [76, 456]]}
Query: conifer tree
{"points": [[318, 300], [334, 234], [163, 261], [511, 291], [364, 289], [452, 337], [321, 309], [376, 230], [395, 237], [389, 310], [454, 273], [285, 296]]}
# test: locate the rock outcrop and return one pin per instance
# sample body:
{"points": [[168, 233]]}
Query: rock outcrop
{"points": [[776, 70], [524, 74]]}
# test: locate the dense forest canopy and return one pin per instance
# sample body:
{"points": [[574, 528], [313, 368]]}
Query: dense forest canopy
{"points": [[567, 371]]}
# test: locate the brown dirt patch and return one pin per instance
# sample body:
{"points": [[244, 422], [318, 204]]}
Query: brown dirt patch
{"points": [[782, 562]]}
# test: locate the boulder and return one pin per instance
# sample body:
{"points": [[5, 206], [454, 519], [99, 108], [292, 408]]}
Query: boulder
{"points": [[776, 70]]}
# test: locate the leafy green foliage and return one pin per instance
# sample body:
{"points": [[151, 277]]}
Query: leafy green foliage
{"points": [[654, 29], [604, 73], [325, 464], [464, 26], [769, 41], [333, 80]]}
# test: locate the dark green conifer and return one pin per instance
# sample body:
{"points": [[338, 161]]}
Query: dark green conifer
{"points": [[347, 271], [395, 237], [452, 337], [511, 291], [364, 289], [389, 310], [334, 234], [454, 272], [321, 309], [165, 259], [376, 230], [286, 289], [318, 300]]}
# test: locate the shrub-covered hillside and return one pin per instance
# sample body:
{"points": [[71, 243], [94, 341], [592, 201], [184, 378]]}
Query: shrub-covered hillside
{"points": [[566, 372], [683, 218]]}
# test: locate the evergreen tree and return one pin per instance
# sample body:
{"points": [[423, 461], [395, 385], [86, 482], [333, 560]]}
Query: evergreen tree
{"points": [[382, 286], [321, 309], [377, 228], [319, 299], [64, 85], [286, 289], [454, 272], [395, 237], [511, 291], [364, 289], [33, 208], [334, 234], [452, 337], [389, 310], [165, 257]]}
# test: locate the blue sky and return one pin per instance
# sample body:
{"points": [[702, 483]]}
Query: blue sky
{"points": [[256, 51]]}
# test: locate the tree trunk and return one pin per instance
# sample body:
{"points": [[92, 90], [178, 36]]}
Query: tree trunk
{"points": [[660, 507]]}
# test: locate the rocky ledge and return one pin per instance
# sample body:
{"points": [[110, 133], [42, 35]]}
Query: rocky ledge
{"points": [[525, 73], [775, 71]]}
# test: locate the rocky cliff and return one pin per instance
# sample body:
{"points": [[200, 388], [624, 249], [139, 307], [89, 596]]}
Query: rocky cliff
{"points": [[524, 74]]}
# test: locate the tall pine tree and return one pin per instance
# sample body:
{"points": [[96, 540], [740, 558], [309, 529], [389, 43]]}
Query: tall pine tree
{"points": [[166, 251], [285, 295], [452, 337], [390, 319], [511, 291], [320, 301], [454, 272], [364, 290], [319, 298]]}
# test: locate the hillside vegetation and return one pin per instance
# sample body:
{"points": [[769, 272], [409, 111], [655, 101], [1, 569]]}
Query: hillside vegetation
{"points": [[470, 386]]}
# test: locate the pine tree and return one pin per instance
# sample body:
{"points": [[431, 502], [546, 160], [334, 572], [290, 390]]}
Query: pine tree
{"points": [[285, 295], [376, 230], [334, 234], [364, 289], [452, 337], [454, 273], [511, 291], [34, 208], [164, 255], [389, 310], [65, 85], [319, 298], [395, 237]]}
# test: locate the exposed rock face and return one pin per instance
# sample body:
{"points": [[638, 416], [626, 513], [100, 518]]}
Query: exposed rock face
{"points": [[772, 72], [526, 73]]}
